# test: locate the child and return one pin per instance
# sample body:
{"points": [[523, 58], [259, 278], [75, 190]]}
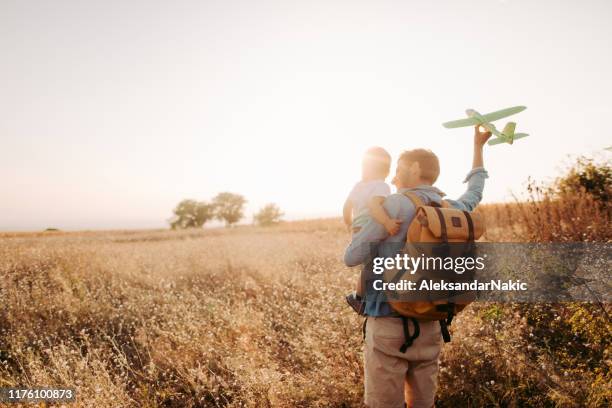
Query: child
{"points": [[364, 200]]}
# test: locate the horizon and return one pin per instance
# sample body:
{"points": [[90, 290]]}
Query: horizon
{"points": [[115, 112]]}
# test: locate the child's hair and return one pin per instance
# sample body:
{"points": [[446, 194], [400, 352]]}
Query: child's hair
{"points": [[376, 163], [428, 162]]}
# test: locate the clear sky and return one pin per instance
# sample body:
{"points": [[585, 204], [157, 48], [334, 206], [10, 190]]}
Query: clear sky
{"points": [[113, 111]]}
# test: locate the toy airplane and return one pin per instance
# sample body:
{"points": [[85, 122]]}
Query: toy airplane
{"points": [[507, 135]]}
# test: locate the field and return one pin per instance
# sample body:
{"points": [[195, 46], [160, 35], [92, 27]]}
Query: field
{"points": [[255, 317], [223, 317]]}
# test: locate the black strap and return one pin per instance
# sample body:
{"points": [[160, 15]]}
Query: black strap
{"points": [[444, 330], [450, 313], [444, 323], [442, 224], [470, 223], [408, 339], [363, 329]]}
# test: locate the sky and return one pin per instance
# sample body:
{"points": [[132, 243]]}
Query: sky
{"points": [[114, 111]]}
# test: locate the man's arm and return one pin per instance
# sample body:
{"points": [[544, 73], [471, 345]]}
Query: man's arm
{"points": [[476, 177], [480, 138], [366, 241]]}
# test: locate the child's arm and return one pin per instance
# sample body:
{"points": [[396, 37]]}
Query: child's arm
{"points": [[364, 245], [347, 213], [375, 206]]}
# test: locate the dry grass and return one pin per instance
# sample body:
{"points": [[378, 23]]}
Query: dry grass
{"points": [[546, 217], [256, 317], [208, 318]]}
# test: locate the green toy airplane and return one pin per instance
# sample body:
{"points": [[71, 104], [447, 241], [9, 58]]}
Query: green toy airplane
{"points": [[474, 118]]}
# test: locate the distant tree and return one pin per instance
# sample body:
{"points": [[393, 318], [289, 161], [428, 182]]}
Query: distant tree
{"points": [[191, 214], [269, 215], [229, 207]]}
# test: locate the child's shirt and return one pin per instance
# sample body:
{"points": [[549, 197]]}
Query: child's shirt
{"points": [[360, 196]]}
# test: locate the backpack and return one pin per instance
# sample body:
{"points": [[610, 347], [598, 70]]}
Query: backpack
{"points": [[431, 231]]}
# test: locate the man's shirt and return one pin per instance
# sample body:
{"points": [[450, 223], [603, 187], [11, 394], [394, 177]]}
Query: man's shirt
{"points": [[373, 240]]}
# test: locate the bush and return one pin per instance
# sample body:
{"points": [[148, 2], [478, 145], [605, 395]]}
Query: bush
{"points": [[564, 358]]}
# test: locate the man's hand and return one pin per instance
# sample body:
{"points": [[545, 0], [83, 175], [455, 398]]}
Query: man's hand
{"points": [[481, 135], [393, 226]]}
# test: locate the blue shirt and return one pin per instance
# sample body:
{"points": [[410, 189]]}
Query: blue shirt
{"points": [[366, 244]]}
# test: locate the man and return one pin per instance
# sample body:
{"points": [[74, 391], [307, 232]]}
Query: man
{"points": [[393, 378]]}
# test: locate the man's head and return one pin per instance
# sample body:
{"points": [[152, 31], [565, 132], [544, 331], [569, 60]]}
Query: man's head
{"points": [[376, 164], [417, 167]]}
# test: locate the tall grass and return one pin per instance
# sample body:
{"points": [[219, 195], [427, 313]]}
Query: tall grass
{"points": [[549, 216], [568, 344]]}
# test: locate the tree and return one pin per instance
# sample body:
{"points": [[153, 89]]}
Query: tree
{"points": [[269, 215], [229, 207], [191, 214], [588, 175]]}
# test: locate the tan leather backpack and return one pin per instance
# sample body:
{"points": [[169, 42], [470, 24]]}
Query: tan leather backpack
{"points": [[435, 224]]}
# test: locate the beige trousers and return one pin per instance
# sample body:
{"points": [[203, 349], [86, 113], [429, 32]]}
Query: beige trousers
{"points": [[392, 377]]}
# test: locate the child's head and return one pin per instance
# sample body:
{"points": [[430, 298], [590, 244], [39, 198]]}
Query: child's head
{"points": [[416, 167], [376, 164]]}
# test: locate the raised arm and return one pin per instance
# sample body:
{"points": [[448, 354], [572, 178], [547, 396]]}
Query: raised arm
{"points": [[476, 177], [480, 138]]}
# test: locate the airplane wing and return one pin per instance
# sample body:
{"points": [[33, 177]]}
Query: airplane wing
{"points": [[499, 140], [461, 123], [493, 116]]}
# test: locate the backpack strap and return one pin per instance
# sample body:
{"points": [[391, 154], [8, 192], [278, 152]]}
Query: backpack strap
{"points": [[444, 323], [363, 328], [408, 339], [416, 200], [470, 223], [444, 231], [444, 330]]}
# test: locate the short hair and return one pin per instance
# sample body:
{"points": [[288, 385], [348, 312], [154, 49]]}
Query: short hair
{"points": [[376, 162], [428, 162]]}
